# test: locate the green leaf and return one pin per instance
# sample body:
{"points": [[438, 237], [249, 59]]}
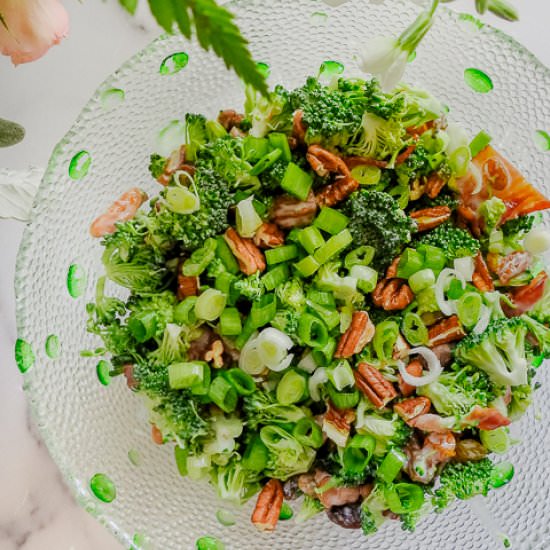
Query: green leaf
{"points": [[181, 13], [163, 12], [129, 5], [10, 133]]}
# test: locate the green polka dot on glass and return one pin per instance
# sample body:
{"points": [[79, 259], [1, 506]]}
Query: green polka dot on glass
{"points": [[478, 80], [134, 457], [209, 543], [102, 369], [542, 140], [76, 280], [79, 165], [331, 68], [24, 356], [103, 488], [174, 63], [225, 517], [140, 542], [52, 346], [319, 18], [264, 69], [111, 98], [502, 474]]}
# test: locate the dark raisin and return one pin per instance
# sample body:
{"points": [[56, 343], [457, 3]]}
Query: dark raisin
{"points": [[347, 516], [290, 488]]}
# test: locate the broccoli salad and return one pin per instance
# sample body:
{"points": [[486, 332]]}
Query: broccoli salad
{"points": [[336, 296]]}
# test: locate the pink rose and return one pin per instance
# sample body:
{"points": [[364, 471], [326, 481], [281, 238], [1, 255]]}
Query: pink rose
{"points": [[29, 28]]}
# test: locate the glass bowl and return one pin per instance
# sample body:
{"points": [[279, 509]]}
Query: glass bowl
{"points": [[90, 428]]}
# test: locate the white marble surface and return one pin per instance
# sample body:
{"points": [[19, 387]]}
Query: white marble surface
{"points": [[36, 510]]}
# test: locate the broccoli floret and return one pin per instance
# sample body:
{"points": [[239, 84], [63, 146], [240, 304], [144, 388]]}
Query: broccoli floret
{"points": [[267, 114], [541, 333], [410, 520], [418, 164], [291, 294], [156, 165], [454, 241], [233, 483], [445, 198], [343, 288], [499, 351], [195, 131], [541, 310], [272, 177], [520, 225], [286, 320], [377, 220], [372, 510], [464, 480], [262, 408], [310, 507], [492, 211], [251, 287], [458, 390], [522, 397]]}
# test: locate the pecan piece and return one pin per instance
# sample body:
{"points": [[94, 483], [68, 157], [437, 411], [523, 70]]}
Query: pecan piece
{"points": [[324, 162], [434, 185], [230, 118], [402, 157], [372, 383], [391, 272], [358, 335], [187, 286], [337, 424], [299, 127], [400, 348], [428, 218], [268, 235], [336, 192], [268, 506], [447, 330], [156, 435], [413, 407], [352, 162], [467, 219], [289, 212], [414, 368], [512, 265], [215, 354], [482, 278], [175, 162], [392, 294], [248, 255]]}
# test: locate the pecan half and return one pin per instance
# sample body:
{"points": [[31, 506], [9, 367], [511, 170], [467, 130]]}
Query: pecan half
{"points": [[467, 219], [289, 212], [268, 235], [447, 330], [337, 424], [525, 297], [413, 407], [392, 294], [324, 162], [187, 286], [248, 255], [428, 218], [298, 126], [230, 118], [214, 354], [512, 265], [173, 163], [156, 435], [434, 185], [482, 278], [336, 192], [372, 383], [268, 506], [358, 335], [414, 368]]}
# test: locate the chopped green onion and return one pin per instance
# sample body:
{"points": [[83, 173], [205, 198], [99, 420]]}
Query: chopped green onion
{"points": [[281, 254], [333, 246], [479, 143], [225, 283], [311, 239], [414, 329], [230, 322], [433, 257], [459, 161], [366, 277], [456, 289], [496, 241], [292, 388], [255, 455], [223, 252], [255, 148], [265, 162], [497, 440], [366, 175], [391, 465], [214, 130], [180, 455], [198, 466], [330, 220], [248, 330], [312, 331], [403, 498], [276, 276], [358, 453], [296, 182], [143, 325], [307, 266], [293, 235], [329, 315], [226, 518], [199, 259], [469, 307], [286, 512], [323, 356], [308, 433], [184, 313], [410, 262], [223, 394], [341, 375], [279, 141], [362, 255], [263, 310], [342, 399], [241, 381], [384, 339], [182, 201], [247, 218], [321, 297], [210, 304], [194, 375], [425, 278]]}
